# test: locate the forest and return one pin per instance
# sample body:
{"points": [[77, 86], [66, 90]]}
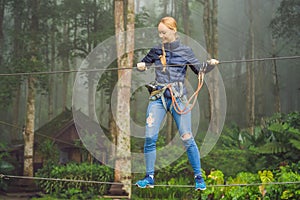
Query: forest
{"points": [[78, 57]]}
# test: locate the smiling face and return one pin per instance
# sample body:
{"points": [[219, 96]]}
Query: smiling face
{"points": [[167, 35]]}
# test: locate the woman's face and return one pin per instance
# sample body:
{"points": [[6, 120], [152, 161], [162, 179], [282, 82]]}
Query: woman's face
{"points": [[167, 35]]}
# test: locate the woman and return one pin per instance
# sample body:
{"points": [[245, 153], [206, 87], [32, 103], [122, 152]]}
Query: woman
{"points": [[171, 60]]}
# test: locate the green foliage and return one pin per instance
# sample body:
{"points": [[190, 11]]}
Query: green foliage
{"points": [[214, 180], [243, 186], [286, 22], [281, 135], [107, 82], [6, 167], [274, 142], [48, 151], [164, 192], [266, 176], [7, 93], [230, 154], [243, 192], [229, 161], [285, 191], [76, 189]]}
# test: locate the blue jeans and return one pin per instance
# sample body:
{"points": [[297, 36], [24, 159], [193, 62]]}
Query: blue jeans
{"points": [[155, 115]]}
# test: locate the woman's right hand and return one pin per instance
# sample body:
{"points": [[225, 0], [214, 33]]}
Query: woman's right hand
{"points": [[141, 66]]}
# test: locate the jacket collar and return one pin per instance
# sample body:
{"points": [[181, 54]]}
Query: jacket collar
{"points": [[172, 45]]}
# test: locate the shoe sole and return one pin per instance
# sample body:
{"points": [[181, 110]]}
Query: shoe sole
{"points": [[147, 186], [199, 189]]}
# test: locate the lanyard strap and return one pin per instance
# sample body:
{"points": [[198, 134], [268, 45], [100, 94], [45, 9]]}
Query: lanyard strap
{"points": [[186, 108]]}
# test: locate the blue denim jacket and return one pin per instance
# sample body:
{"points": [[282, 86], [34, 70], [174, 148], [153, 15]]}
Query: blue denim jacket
{"points": [[178, 57]]}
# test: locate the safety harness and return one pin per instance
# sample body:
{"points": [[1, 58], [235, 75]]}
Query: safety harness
{"points": [[159, 93]]}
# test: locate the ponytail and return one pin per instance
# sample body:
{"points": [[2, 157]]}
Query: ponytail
{"points": [[163, 59]]}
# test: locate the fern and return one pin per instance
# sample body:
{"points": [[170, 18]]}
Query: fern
{"points": [[273, 148], [295, 143]]}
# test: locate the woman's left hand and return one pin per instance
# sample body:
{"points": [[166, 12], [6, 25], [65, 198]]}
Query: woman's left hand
{"points": [[213, 62]]}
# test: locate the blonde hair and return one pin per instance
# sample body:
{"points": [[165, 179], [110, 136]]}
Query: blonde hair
{"points": [[171, 23]]}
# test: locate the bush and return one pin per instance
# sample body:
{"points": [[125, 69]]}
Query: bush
{"points": [[285, 191], [243, 186], [275, 141], [243, 192], [6, 167], [73, 189]]}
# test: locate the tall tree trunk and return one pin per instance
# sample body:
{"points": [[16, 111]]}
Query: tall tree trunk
{"points": [[277, 104], [185, 17], [207, 25], [16, 108], [17, 46], [91, 26], [138, 5], [51, 93], [175, 10], [52, 68], [29, 129], [169, 132], [210, 21], [91, 94], [236, 83], [51, 78], [2, 8], [30, 111], [125, 43], [14, 130], [276, 93], [65, 63], [95, 25], [113, 131], [215, 39], [250, 102], [215, 104], [119, 29], [165, 5]]}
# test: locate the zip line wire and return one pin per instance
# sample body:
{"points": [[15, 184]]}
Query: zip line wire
{"points": [[3, 176], [260, 59], [130, 68]]}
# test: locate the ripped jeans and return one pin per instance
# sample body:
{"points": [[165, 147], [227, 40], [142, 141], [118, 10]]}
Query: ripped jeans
{"points": [[155, 115]]}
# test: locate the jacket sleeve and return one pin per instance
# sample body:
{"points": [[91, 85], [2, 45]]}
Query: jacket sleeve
{"points": [[195, 64], [150, 57]]}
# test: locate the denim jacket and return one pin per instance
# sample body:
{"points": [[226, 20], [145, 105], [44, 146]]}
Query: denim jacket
{"points": [[178, 57]]}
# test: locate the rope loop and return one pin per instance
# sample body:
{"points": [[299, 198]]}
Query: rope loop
{"points": [[193, 98]]}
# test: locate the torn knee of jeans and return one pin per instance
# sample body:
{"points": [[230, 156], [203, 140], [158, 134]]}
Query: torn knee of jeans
{"points": [[150, 120], [186, 136]]}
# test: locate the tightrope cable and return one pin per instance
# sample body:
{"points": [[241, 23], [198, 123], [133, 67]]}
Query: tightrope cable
{"points": [[2, 176], [260, 59], [130, 68], [57, 179]]}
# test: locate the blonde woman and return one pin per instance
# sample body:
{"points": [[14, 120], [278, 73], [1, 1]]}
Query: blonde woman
{"points": [[171, 59]]}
